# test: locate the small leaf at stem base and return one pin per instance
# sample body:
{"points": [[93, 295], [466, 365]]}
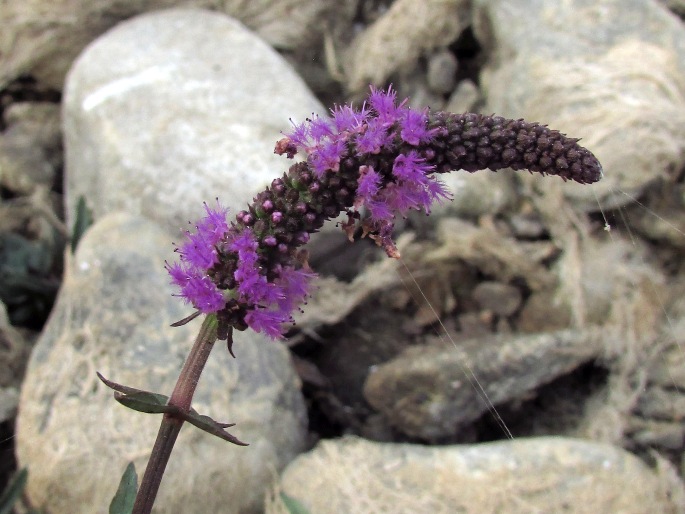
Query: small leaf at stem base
{"points": [[13, 492], [123, 500], [293, 505]]}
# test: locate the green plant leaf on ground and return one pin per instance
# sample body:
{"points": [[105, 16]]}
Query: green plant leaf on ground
{"points": [[294, 506], [26, 285], [13, 491], [84, 219], [123, 500]]}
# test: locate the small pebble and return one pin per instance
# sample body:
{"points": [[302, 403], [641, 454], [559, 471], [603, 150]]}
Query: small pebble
{"points": [[501, 299], [442, 70]]}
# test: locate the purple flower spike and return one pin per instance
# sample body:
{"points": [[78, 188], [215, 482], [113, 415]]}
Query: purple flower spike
{"points": [[375, 164]]}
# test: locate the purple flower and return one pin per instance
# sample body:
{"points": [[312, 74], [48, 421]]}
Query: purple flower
{"points": [[198, 254], [368, 184], [295, 284], [199, 250], [384, 104], [326, 157], [299, 135], [196, 287], [320, 128], [379, 210], [266, 321], [272, 311], [413, 127], [411, 167], [437, 190], [347, 119], [373, 139]]}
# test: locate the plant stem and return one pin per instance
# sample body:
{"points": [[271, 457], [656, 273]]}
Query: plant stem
{"points": [[171, 426]]}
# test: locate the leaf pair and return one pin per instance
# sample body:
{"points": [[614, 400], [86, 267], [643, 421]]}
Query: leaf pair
{"points": [[154, 403]]}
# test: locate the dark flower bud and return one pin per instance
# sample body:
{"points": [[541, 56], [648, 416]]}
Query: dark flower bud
{"points": [[301, 238], [342, 194], [259, 227], [277, 186], [245, 218]]}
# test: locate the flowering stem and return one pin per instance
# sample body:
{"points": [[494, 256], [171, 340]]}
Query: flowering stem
{"points": [[171, 425]]}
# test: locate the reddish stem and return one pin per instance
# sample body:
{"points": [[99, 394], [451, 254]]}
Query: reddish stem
{"points": [[171, 426]]}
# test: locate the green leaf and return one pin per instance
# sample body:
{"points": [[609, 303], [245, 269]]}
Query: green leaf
{"points": [[137, 399], [294, 506], [84, 219], [13, 491], [212, 427], [154, 403], [144, 401], [125, 497]]}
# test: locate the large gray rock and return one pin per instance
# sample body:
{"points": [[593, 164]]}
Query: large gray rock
{"points": [[609, 71], [522, 476], [429, 392], [42, 38], [174, 108], [113, 316]]}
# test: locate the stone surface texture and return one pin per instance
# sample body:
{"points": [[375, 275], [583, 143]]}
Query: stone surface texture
{"points": [[612, 71], [174, 108], [428, 392], [522, 476], [42, 38]]}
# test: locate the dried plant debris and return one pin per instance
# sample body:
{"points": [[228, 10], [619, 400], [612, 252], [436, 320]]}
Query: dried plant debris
{"points": [[398, 37]]}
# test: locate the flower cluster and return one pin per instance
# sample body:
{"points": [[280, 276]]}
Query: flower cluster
{"points": [[374, 163], [198, 254], [269, 303]]}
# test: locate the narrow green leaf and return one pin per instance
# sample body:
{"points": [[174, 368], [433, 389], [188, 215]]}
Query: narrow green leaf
{"points": [[294, 506], [150, 403], [212, 427], [13, 492], [154, 403], [84, 219], [125, 497]]}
